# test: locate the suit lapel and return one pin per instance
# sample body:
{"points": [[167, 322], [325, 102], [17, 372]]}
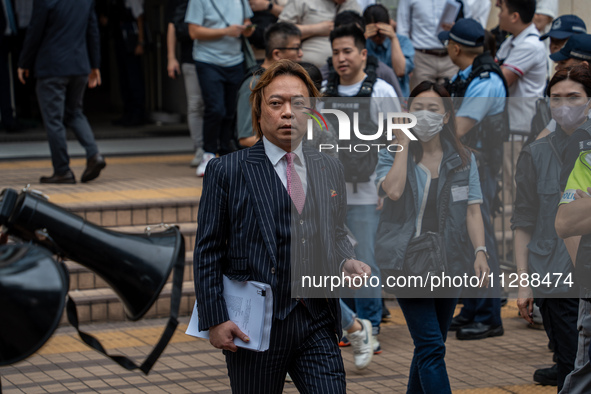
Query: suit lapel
{"points": [[262, 183], [319, 182]]}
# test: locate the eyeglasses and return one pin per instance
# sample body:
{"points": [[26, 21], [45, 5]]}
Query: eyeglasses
{"points": [[290, 48]]}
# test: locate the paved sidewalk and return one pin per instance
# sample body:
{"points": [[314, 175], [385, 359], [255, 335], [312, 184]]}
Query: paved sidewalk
{"points": [[125, 180], [496, 365], [189, 365]]}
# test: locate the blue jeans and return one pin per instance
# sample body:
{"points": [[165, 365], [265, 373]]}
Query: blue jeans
{"points": [[428, 320], [347, 316], [363, 220], [219, 88], [487, 309], [60, 101]]}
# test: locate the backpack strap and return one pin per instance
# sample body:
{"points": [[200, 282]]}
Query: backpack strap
{"points": [[332, 85], [372, 76]]}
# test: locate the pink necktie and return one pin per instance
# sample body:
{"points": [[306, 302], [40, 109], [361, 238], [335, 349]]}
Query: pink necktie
{"points": [[294, 184]]}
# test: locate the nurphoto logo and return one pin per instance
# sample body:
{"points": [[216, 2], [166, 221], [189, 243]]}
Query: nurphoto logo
{"points": [[344, 129]]}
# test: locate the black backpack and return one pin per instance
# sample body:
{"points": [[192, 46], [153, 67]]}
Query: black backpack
{"points": [[358, 166]]}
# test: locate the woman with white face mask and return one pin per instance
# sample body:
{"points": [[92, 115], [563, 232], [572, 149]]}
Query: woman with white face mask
{"points": [[538, 249], [431, 187]]}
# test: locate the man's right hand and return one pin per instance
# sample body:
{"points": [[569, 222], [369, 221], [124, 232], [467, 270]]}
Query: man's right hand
{"points": [[23, 73], [173, 68], [94, 78], [235, 30], [222, 336], [371, 29]]}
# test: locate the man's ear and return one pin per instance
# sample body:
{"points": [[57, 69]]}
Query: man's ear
{"points": [[364, 53], [515, 17], [275, 54]]}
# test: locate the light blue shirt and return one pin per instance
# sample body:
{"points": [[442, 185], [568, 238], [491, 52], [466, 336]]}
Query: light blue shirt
{"points": [[423, 175], [226, 51], [488, 96], [384, 53]]}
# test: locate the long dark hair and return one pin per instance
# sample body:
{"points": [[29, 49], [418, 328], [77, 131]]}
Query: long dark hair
{"points": [[449, 129]]}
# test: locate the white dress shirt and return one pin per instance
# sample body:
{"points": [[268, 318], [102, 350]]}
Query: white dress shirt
{"points": [[418, 20], [277, 157]]}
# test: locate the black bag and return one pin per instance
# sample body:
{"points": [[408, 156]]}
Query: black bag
{"points": [[358, 166], [425, 256]]}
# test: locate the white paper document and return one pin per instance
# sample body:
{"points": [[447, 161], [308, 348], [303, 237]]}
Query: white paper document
{"points": [[451, 9], [250, 307]]}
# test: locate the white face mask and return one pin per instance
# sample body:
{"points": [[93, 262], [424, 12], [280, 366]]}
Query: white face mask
{"points": [[429, 124], [569, 117]]}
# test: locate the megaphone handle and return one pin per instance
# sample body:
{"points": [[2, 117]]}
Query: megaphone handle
{"points": [[175, 301]]}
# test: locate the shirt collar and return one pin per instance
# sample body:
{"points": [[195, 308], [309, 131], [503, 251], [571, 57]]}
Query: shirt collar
{"points": [[382, 47], [526, 32], [465, 73], [275, 153]]}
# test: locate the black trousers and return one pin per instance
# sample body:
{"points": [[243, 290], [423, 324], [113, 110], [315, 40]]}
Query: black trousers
{"points": [[305, 347], [560, 321]]}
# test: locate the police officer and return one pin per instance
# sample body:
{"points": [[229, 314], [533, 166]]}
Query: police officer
{"points": [[563, 28], [576, 51], [481, 123]]}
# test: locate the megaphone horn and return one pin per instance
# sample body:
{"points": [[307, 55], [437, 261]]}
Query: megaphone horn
{"points": [[136, 266]]}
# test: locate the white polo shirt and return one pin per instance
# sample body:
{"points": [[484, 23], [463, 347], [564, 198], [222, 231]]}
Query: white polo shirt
{"points": [[525, 55]]}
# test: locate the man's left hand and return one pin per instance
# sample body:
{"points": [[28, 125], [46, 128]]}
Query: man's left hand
{"points": [[353, 268], [386, 29]]}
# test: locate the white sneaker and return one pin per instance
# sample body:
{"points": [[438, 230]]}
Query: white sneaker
{"points": [[206, 158], [198, 157], [362, 343]]}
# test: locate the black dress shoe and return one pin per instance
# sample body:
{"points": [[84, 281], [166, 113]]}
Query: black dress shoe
{"points": [[67, 177], [458, 322], [479, 331], [94, 165], [547, 376]]}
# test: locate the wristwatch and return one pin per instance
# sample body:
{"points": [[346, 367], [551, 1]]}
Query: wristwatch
{"points": [[481, 249], [270, 7]]}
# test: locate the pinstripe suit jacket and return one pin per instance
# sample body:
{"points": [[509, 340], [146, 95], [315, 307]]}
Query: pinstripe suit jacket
{"points": [[236, 233]]}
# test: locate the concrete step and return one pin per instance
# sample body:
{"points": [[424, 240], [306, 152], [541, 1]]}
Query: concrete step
{"points": [[103, 305], [82, 278], [140, 214]]}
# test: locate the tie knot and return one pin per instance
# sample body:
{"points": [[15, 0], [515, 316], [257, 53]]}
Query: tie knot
{"points": [[289, 157]]}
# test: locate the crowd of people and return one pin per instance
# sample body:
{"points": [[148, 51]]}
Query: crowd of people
{"points": [[441, 186], [494, 121]]}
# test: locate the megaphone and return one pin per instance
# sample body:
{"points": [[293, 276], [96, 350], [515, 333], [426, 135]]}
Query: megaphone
{"points": [[33, 289], [136, 266]]}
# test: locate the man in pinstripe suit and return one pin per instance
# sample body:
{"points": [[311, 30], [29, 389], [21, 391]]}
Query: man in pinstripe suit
{"points": [[266, 212]]}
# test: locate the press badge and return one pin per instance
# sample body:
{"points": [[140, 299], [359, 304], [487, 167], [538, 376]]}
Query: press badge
{"points": [[459, 193]]}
